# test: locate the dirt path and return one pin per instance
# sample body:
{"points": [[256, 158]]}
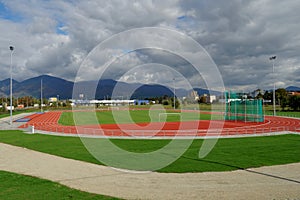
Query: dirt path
{"points": [[276, 182]]}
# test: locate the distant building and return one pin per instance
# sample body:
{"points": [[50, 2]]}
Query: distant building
{"points": [[194, 95], [20, 106], [211, 98], [10, 108], [294, 93], [102, 102], [141, 102], [52, 99], [112, 102]]}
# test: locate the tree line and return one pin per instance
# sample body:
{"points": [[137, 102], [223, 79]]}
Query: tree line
{"points": [[283, 98]]}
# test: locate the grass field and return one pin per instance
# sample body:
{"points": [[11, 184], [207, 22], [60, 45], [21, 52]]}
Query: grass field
{"points": [[228, 154], [15, 186], [136, 116], [284, 113]]}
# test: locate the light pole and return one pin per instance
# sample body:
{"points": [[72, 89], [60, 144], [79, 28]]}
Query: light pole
{"points": [[274, 103], [57, 101], [11, 48], [174, 93], [41, 95]]}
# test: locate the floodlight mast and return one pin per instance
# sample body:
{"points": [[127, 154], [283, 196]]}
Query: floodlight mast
{"points": [[11, 48], [41, 95], [174, 94], [57, 101], [274, 103]]}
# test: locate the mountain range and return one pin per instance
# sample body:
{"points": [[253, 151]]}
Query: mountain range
{"points": [[104, 89], [54, 86], [293, 89]]}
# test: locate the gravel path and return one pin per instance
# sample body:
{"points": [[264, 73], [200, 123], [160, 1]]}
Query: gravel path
{"points": [[276, 182], [5, 121]]}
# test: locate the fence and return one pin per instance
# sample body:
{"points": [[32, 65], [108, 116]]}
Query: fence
{"points": [[239, 109]]}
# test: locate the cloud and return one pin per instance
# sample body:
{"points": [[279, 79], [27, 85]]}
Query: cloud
{"points": [[54, 37]]}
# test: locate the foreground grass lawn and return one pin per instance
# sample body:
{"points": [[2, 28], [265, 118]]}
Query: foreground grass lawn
{"points": [[133, 116], [228, 154], [15, 186]]}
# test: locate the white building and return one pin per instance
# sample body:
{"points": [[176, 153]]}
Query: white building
{"points": [[211, 98]]}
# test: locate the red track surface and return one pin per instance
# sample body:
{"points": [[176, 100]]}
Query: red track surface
{"points": [[49, 122]]}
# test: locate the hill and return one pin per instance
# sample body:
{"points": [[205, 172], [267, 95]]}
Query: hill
{"points": [[293, 89], [54, 86], [5, 86]]}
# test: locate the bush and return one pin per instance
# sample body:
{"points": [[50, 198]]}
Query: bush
{"points": [[165, 102], [294, 102]]}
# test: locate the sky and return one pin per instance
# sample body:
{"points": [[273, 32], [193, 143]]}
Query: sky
{"points": [[64, 39]]}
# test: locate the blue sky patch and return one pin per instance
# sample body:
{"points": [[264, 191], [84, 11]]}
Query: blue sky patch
{"points": [[181, 17], [6, 13], [184, 22], [59, 28]]}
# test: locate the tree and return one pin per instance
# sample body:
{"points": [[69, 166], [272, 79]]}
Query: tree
{"points": [[177, 103], [281, 95], [165, 102], [284, 103], [3, 109], [294, 102], [259, 96], [267, 95], [202, 99]]}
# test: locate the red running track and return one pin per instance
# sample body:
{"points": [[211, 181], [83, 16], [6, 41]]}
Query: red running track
{"points": [[49, 122]]}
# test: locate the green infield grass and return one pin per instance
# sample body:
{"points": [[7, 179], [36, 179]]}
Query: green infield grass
{"points": [[228, 154], [131, 116], [284, 113], [15, 186]]}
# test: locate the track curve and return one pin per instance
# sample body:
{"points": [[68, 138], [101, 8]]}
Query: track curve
{"points": [[49, 122]]}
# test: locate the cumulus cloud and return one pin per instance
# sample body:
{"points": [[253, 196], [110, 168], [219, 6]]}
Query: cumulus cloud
{"points": [[54, 37]]}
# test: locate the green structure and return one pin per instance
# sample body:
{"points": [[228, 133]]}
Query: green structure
{"points": [[239, 108]]}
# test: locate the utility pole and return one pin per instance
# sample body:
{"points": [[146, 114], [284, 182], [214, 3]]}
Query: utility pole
{"points": [[41, 94], [11, 48], [274, 98], [174, 93]]}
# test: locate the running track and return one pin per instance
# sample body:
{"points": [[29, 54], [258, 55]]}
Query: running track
{"points": [[49, 122]]}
